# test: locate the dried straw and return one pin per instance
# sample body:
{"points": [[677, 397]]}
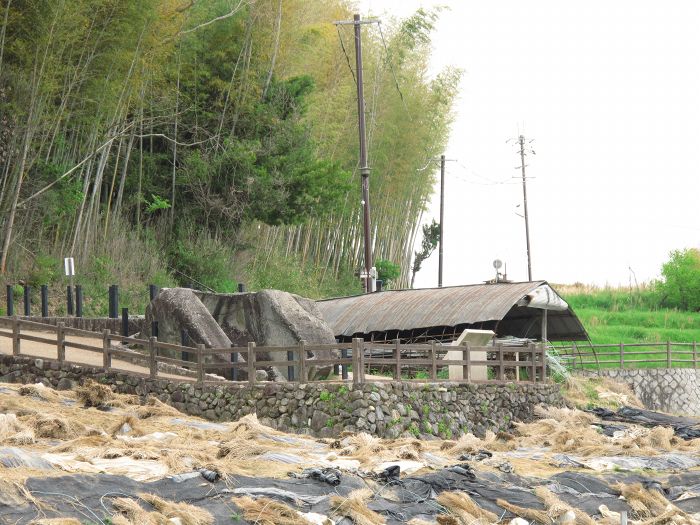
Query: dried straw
{"points": [[93, 394], [355, 508], [461, 506], [266, 511]]}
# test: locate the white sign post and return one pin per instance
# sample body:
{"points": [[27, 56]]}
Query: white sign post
{"points": [[69, 266]]}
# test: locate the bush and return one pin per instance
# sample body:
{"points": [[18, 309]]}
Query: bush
{"points": [[680, 287], [387, 271]]}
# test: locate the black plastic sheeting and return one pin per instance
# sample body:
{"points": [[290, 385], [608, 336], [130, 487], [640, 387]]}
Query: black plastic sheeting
{"points": [[684, 427], [87, 497]]}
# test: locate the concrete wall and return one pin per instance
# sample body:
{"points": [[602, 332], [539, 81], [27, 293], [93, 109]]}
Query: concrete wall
{"points": [[387, 409], [674, 390]]}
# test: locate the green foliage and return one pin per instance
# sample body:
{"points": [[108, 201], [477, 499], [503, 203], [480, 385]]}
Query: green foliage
{"points": [[326, 396], [431, 238], [680, 287], [414, 430], [387, 271], [46, 270], [157, 203], [203, 261]]}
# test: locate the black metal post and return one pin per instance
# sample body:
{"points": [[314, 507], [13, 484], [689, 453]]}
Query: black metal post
{"points": [[152, 291], [44, 300], [78, 300], [380, 285], [241, 287], [125, 322], [10, 301], [114, 301], [154, 328], [69, 300], [110, 301], [27, 300]]}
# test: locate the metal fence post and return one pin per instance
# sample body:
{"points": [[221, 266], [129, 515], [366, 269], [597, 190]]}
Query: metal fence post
{"points": [[44, 301], [251, 362], [106, 347], [60, 342], [10, 301], [78, 300], [27, 300], [668, 355], [152, 291], [69, 300]]}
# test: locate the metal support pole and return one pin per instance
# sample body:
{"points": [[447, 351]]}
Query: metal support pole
{"points": [[152, 291], [521, 140], [344, 368], [442, 218], [241, 288], [44, 301], [69, 300], [364, 168], [27, 300], [10, 301], [78, 300]]}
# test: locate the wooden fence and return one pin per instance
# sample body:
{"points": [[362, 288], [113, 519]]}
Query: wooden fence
{"points": [[630, 355], [524, 363]]}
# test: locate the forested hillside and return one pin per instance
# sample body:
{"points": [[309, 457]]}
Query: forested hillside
{"points": [[173, 139]]}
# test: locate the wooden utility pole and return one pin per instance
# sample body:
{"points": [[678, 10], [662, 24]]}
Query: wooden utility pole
{"points": [[442, 218], [521, 141], [364, 168]]}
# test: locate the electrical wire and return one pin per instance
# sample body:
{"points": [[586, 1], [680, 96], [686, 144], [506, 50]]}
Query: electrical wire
{"points": [[347, 58], [393, 73]]}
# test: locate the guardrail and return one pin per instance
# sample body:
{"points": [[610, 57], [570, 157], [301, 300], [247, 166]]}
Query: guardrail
{"points": [[631, 355], [493, 363]]}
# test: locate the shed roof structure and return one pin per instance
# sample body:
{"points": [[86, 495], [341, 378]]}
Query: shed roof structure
{"points": [[509, 309]]}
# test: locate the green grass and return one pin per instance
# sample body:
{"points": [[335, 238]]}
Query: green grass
{"points": [[611, 317]]}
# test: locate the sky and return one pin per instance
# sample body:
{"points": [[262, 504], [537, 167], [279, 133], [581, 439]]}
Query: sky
{"points": [[609, 94]]}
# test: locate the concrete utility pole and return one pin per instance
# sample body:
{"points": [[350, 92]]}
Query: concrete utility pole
{"points": [[442, 218], [364, 168], [521, 141]]}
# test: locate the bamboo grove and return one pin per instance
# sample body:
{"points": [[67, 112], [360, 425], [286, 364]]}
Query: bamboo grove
{"points": [[172, 138]]}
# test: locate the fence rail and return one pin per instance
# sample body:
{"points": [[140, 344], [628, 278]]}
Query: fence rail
{"points": [[493, 364], [631, 355]]}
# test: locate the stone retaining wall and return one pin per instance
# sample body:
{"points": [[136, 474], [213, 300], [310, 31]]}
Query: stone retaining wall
{"points": [[386, 409], [674, 390]]}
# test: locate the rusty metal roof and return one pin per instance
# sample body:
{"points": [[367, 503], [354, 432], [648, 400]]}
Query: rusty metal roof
{"points": [[424, 308]]}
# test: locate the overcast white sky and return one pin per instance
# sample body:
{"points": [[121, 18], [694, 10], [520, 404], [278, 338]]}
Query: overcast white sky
{"points": [[610, 93]]}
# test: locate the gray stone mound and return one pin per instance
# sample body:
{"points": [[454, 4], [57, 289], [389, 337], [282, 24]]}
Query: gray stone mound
{"points": [[268, 318]]}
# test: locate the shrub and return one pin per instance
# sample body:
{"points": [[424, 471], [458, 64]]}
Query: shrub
{"points": [[680, 287]]}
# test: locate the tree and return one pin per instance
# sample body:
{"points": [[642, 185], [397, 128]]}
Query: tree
{"points": [[680, 287], [431, 238], [387, 271]]}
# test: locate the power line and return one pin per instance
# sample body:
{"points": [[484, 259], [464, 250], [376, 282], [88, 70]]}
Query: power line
{"points": [[347, 58], [393, 73]]}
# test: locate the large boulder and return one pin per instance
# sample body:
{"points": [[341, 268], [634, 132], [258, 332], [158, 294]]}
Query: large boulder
{"points": [[268, 318]]}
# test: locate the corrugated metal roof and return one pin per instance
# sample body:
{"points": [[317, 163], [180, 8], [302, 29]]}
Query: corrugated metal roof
{"points": [[423, 308]]}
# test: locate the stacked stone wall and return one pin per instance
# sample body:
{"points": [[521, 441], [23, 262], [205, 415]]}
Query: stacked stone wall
{"points": [[386, 409]]}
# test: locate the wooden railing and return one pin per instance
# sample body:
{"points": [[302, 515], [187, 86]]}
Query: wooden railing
{"points": [[493, 363], [630, 355]]}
